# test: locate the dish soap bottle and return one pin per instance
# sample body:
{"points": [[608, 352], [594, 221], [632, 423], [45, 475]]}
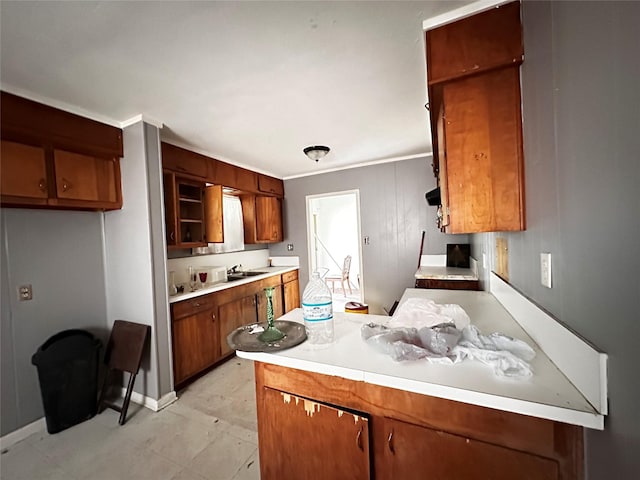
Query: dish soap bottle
{"points": [[317, 310]]}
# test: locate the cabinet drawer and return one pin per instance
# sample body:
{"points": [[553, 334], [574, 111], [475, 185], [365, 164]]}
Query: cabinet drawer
{"points": [[289, 276], [193, 306]]}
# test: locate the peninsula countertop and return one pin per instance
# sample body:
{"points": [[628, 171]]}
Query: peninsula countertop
{"points": [[547, 394]]}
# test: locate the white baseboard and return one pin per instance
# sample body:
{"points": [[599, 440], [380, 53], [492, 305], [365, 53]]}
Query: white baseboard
{"points": [[150, 403], [580, 362], [10, 439]]}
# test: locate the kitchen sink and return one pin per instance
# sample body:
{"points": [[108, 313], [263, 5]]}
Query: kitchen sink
{"points": [[241, 275]]}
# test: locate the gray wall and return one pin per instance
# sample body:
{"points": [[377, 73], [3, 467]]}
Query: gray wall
{"points": [[60, 254], [393, 213], [135, 251], [581, 110]]}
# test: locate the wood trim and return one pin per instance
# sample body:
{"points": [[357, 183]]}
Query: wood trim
{"points": [[34, 123]]}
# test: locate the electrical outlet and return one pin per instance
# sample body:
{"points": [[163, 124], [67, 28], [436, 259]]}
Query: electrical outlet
{"points": [[290, 247], [25, 292], [545, 269]]}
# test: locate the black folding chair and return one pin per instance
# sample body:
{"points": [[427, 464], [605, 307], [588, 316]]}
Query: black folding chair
{"points": [[124, 353]]}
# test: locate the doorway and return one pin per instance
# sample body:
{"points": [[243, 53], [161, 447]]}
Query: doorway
{"points": [[333, 234]]}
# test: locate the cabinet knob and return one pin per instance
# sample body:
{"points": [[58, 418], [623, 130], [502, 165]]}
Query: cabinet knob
{"points": [[66, 184], [213, 317], [390, 443], [42, 185]]}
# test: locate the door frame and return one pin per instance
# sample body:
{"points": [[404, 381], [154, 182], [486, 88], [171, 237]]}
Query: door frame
{"points": [[311, 242]]}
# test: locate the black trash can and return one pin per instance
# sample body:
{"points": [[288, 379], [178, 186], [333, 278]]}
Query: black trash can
{"points": [[67, 366]]}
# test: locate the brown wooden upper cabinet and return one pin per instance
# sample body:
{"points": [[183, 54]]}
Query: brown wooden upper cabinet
{"points": [[184, 161], [55, 159], [270, 185], [475, 44], [476, 123], [189, 164], [262, 217]]}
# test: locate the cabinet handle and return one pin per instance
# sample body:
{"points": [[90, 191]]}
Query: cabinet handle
{"points": [[42, 185], [390, 443], [213, 317], [359, 439], [173, 236]]}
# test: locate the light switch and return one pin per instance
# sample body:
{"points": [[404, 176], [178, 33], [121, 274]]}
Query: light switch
{"points": [[545, 269], [290, 247]]}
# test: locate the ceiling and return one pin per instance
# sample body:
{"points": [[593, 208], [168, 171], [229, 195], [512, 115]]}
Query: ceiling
{"points": [[251, 83]]}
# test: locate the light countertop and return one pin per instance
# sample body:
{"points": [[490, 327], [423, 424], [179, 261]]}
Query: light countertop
{"points": [[216, 287], [445, 273], [547, 394]]}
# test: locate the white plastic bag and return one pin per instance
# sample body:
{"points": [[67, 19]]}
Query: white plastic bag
{"points": [[422, 312]]}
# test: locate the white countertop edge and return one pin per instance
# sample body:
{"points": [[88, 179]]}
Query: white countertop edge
{"points": [[549, 412], [582, 364], [523, 407], [308, 366], [269, 272]]}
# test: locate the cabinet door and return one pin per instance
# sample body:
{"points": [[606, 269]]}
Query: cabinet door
{"points": [[278, 308], [407, 451], [195, 343], [184, 161], [271, 185], [87, 179], [291, 295], [303, 439], [475, 44], [268, 219], [233, 315], [213, 213], [24, 172], [170, 203], [484, 172]]}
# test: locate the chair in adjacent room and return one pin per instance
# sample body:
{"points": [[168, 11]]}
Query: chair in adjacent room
{"points": [[124, 354], [341, 277]]}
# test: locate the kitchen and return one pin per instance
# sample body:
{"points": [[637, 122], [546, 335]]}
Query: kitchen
{"points": [[578, 91]]}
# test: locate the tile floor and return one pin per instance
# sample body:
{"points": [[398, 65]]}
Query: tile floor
{"points": [[210, 432]]}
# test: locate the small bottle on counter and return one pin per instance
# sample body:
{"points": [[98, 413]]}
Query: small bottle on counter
{"points": [[317, 310]]}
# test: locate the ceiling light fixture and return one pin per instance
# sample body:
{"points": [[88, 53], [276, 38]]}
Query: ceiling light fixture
{"points": [[316, 152]]}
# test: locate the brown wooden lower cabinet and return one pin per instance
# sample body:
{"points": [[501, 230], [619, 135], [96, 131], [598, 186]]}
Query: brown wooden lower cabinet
{"points": [[195, 343], [412, 452], [411, 436], [447, 284], [304, 439], [234, 314], [291, 290], [200, 325]]}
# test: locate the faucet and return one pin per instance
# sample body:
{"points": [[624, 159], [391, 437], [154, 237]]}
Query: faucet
{"points": [[232, 270]]}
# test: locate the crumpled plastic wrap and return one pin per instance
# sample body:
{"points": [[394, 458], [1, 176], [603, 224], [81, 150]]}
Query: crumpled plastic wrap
{"points": [[422, 312], [444, 343]]}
